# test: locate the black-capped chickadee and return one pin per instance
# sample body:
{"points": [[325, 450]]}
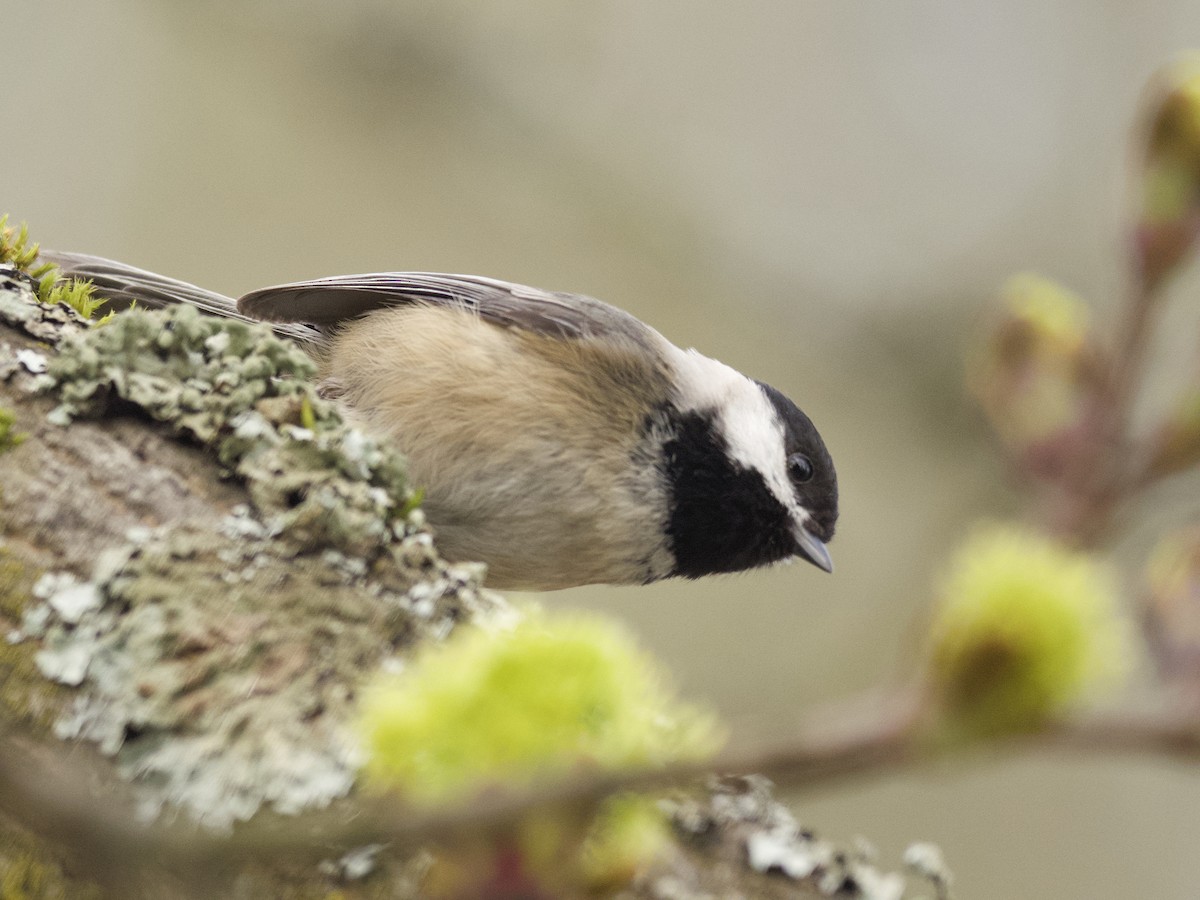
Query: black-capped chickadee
{"points": [[557, 439]]}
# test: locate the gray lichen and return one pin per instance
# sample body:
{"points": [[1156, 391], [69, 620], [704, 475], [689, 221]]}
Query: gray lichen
{"points": [[741, 811], [355, 865], [926, 861], [221, 675]]}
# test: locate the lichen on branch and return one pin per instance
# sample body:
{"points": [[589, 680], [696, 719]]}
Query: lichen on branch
{"points": [[247, 396]]}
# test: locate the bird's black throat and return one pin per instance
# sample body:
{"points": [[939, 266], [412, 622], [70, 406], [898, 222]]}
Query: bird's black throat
{"points": [[721, 517]]}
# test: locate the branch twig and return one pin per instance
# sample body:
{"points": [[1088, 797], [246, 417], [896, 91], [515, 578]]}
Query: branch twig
{"points": [[55, 800], [1106, 470], [856, 740]]}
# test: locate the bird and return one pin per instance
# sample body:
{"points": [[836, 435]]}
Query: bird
{"points": [[557, 439]]}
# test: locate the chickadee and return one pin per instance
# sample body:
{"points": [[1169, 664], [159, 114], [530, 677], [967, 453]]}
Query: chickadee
{"points": [[558, 439]]}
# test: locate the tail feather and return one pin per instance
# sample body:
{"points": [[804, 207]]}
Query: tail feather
{"points": [[123, 285]]}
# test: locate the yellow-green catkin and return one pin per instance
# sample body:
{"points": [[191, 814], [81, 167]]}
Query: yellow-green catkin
{"points": [[551, 695], [1026, 628]]}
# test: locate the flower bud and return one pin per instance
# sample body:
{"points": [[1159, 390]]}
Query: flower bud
{"points": [[1037, 374], [1169, 221]]}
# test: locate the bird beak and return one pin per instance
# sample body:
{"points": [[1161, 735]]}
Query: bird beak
{"points": [[813, 549]]}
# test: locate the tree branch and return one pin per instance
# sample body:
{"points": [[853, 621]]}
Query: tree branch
{"points": [[860, 738]]}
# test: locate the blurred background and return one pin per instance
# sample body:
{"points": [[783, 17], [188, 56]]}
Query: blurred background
{"points": [[823, 195]]}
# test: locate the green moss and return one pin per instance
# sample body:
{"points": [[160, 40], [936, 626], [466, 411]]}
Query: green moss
{"points": [[15, 247], [29, 872], [27, 879], [15, 584], [9, 438], [79, 295], [26, 697], [17, 250]]}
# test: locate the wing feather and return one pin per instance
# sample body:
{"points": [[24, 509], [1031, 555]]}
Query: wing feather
{"points": [[123, 285], [327, 301]]}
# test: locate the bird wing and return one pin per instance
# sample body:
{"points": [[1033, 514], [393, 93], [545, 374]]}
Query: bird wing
{"points": [[123, 285], [327, 301]]}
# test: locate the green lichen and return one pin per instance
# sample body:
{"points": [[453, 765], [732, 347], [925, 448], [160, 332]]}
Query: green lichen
{"points": [[245, 394]]}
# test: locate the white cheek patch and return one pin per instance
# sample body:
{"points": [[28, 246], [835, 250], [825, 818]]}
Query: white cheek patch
{"points": [[745, 417]]}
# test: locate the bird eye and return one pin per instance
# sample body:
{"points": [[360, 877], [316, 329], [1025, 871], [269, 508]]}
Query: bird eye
{"points": [[800, 467]]}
